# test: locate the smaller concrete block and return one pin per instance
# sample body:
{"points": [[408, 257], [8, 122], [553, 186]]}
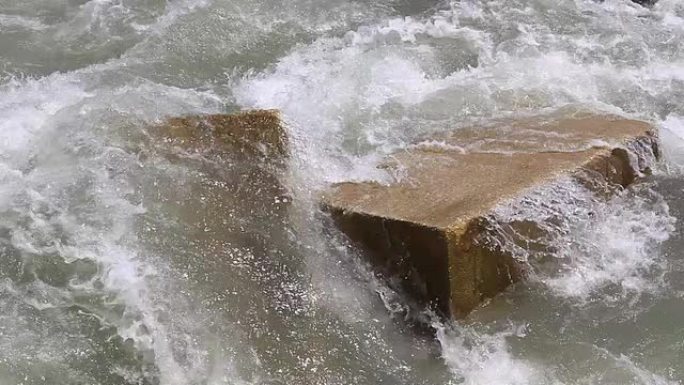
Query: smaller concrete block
{"points": [[232, 166], [256, 132]]}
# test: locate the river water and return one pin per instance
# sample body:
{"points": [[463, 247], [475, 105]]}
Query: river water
{"points": [[124, 260]]}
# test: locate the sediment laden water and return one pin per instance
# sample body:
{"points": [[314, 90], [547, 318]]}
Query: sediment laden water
{"points": [[127, 260]]}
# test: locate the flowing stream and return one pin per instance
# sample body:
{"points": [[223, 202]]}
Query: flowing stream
{"points": [[124, 260]]}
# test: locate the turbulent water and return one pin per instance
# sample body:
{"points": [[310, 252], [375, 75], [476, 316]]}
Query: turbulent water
{"points": [[124, 260]]}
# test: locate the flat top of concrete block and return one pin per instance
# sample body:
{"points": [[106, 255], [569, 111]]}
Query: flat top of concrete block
{"points": [[253, 132], [447, 181]]}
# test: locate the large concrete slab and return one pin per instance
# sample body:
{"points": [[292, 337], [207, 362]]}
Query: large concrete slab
{"points": [[424, 227]]}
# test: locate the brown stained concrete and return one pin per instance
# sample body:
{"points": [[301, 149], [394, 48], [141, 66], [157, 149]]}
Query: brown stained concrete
{"points": [[231, 181], [232, 232], [424, 227], [250, 133]]}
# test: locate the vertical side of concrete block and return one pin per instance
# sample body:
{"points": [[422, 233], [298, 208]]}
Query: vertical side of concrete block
{"points": [[417, 255], [256, 133], [477, 270]]}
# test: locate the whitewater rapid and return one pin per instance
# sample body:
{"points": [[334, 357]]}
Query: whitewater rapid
{"points": [[125, 260]]}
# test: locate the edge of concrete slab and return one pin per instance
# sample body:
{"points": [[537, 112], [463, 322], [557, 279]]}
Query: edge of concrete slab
{"points": [[250, 132]]}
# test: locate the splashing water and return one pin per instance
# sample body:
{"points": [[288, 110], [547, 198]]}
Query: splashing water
{"points": [[583, 244], [126, 260], [476, 358]]}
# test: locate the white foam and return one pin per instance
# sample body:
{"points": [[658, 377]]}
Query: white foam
{"points": [[55, 165], [591, 244], [619, 248], [477, 358], [672, 142], [640, 375], [176, 9], [101, 15], [15, 21], [331, 89], [27, 105]]}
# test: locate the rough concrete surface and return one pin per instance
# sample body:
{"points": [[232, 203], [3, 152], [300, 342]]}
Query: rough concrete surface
{"points": [[423, 228]]}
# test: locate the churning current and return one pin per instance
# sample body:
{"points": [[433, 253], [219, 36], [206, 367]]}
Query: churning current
{"points": [[124, 260]]}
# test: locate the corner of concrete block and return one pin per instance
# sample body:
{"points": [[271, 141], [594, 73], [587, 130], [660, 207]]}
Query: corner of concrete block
{"points": [[477, 270], [621, 166], [411, 255]]}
